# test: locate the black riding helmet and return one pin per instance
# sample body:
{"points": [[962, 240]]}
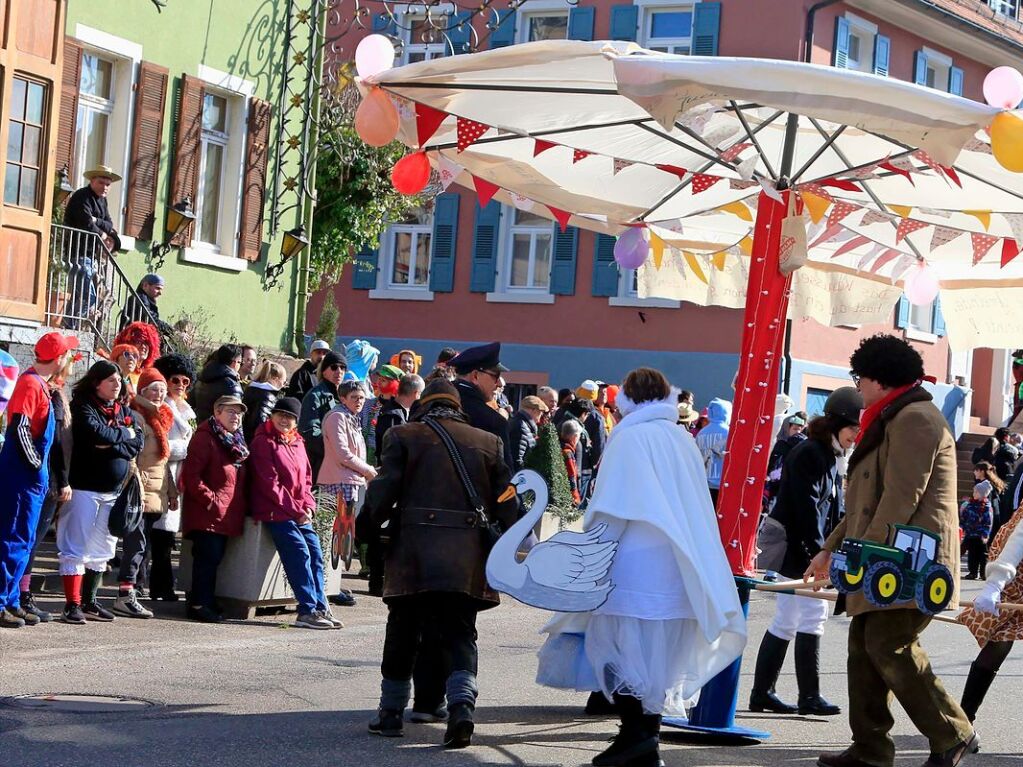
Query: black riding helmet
{"points": [[844, 404]]}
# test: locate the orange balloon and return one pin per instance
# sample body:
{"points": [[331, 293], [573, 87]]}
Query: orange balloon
{"points": [[411, 174], [1007, 141], [376, 119]]}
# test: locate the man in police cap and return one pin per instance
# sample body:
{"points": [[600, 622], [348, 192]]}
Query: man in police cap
{"points": [[479, 371]]}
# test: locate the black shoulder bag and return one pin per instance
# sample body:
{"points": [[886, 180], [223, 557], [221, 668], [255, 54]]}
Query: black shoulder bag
{"points": [[490, 531]]}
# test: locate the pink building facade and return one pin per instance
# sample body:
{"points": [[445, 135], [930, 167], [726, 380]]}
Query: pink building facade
{"points": [[458, 274]]}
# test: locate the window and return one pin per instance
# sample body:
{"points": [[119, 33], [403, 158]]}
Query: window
{"points": [[423, 40], [815, 399], [409, 252], [668, 29], [861, 44], [1005, 7], [922, 317], [215, 138], [95, 113], [25, 143], [544, 26], [529, 251]]}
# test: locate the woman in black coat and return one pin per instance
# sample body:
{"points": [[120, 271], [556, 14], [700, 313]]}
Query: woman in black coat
{"points": [[219, 378], [808, 506], [261, 396]]}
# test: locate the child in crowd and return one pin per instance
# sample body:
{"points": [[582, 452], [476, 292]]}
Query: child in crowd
{"points": [[975, 520], [569, 434]]}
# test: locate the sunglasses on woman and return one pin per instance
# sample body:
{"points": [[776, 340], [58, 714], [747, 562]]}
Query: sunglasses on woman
{"points": [[180, 380]]}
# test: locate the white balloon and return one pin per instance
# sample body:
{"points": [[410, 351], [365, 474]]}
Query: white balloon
{"points": [[374, 54]]}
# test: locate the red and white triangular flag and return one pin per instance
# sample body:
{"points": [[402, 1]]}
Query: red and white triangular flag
{"points": [[484, 190], [976, 145], [520, 202], [540, 146], [943, 235], [428, 120], [1015, 221], [868, 257], [702, 182], [830, 232], [840, 210], [867, 171], [737, 184], [579, 154], [448, 170], [469, 132], [561, 216], [875, 217], [1010, 249], [619, 166], [733, 152], [675, 170], [888, 256], [747, 167], [902, 266], [851, 245], [890, 165], [982, 243], [907, 226]]}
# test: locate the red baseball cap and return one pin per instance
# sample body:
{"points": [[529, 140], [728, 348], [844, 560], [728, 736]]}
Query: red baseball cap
{"points": [[52, 345]]}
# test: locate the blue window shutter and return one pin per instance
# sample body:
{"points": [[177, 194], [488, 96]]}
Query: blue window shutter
{"points": [[840, 51], [706, 28], [605, 268], [443, 243], [383, 24], [364, 270], [902, 313], [920, 68], [580, 23], [955, 81], [504, 34], [882, 54], [484, 247], [460, 35], [939, 319], [624, 22], [566, 246]]}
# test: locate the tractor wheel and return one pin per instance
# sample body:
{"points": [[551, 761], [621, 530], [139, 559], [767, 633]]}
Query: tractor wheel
{"points": [[846, 581], [883, 583], [335, 549], [348, 550], [934, 589]]}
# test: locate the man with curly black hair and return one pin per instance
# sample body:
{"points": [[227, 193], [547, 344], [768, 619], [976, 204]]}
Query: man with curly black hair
{"points": [[903, 471]]}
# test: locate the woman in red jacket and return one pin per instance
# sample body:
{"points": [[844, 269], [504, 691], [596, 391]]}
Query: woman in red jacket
{"points": [[213, 485], [281, 497]]}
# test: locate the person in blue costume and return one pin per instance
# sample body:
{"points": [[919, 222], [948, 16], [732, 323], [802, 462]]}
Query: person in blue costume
{"points": [[25, 471]]}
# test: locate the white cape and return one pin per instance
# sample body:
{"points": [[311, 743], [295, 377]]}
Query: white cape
{"points": [[652, 473]]}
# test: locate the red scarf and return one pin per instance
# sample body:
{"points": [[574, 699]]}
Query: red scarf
{"points": [[273, 432], [871, 413], [113, 412], [160, 419]]}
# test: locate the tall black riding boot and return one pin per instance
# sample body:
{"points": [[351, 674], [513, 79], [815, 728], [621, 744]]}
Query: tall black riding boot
{"points": [[808, 652], [769, 662], [977, 684], [637, 740]]}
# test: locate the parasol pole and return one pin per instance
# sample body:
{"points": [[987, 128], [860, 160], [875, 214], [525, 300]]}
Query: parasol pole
{"points": [[749, 439]]}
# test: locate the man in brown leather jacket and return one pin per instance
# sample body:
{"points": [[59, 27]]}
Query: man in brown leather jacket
{"points": [[435, 578]]}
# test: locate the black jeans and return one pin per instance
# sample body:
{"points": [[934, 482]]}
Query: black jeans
{"points": [[449, 618], [207, 553], [133, 549], [161, 573], [976, 556]]}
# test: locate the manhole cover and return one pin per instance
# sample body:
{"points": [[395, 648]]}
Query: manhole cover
{"points": [[79, 704]]}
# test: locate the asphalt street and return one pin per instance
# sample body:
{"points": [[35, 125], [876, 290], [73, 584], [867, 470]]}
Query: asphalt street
{"points": [[264, 693]]}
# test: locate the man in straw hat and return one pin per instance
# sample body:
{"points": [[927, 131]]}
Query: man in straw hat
{"points": [[87, 210]]}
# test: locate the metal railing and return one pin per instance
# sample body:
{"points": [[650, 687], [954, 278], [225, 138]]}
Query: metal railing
{"points": [[87, 290]]}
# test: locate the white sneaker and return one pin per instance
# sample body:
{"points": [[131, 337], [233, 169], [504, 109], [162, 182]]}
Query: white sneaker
{"points": [[128, 605], [313, 621], [334, 622]]}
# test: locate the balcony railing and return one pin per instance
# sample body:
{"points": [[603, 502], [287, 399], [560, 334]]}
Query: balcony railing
{"points": [[1008, 8]]}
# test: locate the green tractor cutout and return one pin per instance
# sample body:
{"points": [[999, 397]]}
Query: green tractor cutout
{"points": [[902, 572]]}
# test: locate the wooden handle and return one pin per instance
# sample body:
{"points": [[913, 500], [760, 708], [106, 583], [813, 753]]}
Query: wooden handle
{"points": [[791, 585]]}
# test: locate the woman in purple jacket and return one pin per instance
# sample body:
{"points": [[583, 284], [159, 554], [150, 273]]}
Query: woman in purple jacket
{"points": [[281, 497]]}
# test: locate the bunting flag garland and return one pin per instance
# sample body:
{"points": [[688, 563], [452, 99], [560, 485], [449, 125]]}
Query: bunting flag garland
{"points": [[976, 145], [1015, 221], [1010, 249], [469, 132], [902, 211], [852, 244], [943, 235], [841, 183], [579, 154], [718, 260], [448, 170], [484, 190], [522, 203], [771, 191], [888, 256], [840, 210], [540, 146], [561, 216], [951, 173], [619, 166], [817, 206], [694, 265], [722, 135], [702, 182], [875, 217], [738, 208], [428, 120], [868, 257], [738, 185], [831, 231], [984, 216], [733, 152], [902, 266], [746, 245], [657, 248], [674, 225], [982, 243], [889, 165], [405, 107], [936, 212], [906, 227], [867, 171], [674, 170]]}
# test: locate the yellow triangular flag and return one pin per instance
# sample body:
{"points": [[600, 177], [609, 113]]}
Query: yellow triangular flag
{"points": [[739, 209], [695, 266], [902, 211], [657, 246], [719, 261], [817, 206], [984, 216], [746, 245]]}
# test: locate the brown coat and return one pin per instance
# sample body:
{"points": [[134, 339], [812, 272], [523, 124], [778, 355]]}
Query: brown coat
{"points": [[903, 472], [158, 488], [437, 548]]}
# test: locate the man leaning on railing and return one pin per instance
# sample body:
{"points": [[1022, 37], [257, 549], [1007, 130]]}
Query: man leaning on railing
{"points": [[87, 210]]}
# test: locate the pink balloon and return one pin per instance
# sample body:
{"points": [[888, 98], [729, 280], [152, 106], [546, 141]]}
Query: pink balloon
{"points": [[376, 119], [631, 249], [1003, 88], [374, 54], [921, 285]]}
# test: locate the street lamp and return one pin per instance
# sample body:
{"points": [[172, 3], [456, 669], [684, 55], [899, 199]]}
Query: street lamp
{"points": [[295, 241], [179, 216], [64, 188]]}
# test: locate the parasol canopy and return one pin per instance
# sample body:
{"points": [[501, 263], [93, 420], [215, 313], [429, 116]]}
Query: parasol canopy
{"points": [[893, 178]]}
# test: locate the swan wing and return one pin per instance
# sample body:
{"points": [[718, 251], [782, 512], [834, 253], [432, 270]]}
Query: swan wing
{"points": [[573, 538], [570, 567]]}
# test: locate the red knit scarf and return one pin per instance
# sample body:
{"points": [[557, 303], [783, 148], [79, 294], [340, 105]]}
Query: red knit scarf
{"points": [[160, 419], [872, 413]]}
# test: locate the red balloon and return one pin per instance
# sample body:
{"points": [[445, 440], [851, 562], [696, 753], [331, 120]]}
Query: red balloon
{"points": [[411, 173], [376, 119]]}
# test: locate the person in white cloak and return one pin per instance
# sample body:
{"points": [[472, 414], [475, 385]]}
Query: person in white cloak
{"points": [[673, 619]]}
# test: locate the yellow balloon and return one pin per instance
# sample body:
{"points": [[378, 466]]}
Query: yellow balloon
{"points": [[1007, 141]]}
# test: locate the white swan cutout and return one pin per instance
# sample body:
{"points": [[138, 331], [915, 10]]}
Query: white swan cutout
{"points": [[566, 573]]}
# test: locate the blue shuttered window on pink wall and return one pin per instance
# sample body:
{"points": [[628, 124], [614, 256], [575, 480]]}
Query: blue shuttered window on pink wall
{"points": [[706, 28], [566, 246], [485, 247], [605, 269], [503, 34], [444, 242], [580, 23]]}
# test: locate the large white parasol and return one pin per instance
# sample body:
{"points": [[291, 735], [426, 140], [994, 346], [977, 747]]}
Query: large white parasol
{"points": [[615, 135]]}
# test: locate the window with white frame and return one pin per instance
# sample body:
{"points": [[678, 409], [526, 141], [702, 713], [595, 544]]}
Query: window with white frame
{"points": [[529, 243], [628, 283], [668, 28], [1008, 8], [407, 252], [216, 137], [861, 44], [95, 110], [423, 38], [545, 25], [938, 68], [922, 317]]}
